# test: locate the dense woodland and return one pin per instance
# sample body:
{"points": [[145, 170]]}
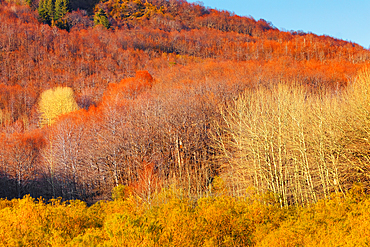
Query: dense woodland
{"points": [[152, 89], [179, 125], [167, 97]]}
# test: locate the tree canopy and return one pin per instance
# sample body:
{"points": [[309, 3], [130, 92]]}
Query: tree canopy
{"points": [[55, 102]]}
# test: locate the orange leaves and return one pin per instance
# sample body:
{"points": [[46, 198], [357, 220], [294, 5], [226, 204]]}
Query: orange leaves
{"points": [[148, 183], [15, 101], [38, 57], [201, 58], [129, 88], [20, 162], [31, 140]]}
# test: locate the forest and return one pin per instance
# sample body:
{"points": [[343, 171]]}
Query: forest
{"points": [[167, 123]]}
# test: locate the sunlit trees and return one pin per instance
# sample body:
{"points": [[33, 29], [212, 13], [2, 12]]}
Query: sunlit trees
{"points": [[355, 128], [55, 102], [298, 144], [174, 221], [201, 60]]}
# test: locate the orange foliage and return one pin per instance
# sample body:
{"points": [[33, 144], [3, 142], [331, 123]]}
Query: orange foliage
{"points": [[148, 183], [128, 88]]}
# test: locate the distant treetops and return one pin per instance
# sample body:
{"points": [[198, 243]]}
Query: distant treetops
{"points": [[129, 13], [51, 12]]}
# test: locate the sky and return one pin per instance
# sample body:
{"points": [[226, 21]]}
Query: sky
{"points": [[344, 19]]}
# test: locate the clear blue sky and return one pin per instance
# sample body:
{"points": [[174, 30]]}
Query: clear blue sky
{"points": [[344, 19]]}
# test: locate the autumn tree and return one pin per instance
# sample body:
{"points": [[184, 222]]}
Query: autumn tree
{"points": [[20, 163], [55, 102], [46, 11], [61, 8], [100, 18], [52, 12]]}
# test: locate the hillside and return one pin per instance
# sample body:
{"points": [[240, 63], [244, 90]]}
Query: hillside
{"points": [[151, 92]]}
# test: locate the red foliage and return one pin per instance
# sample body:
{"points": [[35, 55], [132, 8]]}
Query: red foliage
{"points": [[128, 88]]}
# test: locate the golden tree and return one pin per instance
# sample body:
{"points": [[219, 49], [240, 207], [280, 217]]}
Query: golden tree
{"points": [[55, 102]]}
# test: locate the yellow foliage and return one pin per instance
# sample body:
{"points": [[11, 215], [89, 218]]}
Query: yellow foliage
{"points": [[172, 221], [55, 102], [298, 144]]}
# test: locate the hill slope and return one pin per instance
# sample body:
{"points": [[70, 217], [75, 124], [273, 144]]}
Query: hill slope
{"points": [[149, 90]]}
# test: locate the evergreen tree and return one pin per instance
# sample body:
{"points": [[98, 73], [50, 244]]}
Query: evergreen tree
{"points": [[66, 7], [61, 9], [101, 18], [42, 9], [58, 9], [29, 3], [50, 10]]}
